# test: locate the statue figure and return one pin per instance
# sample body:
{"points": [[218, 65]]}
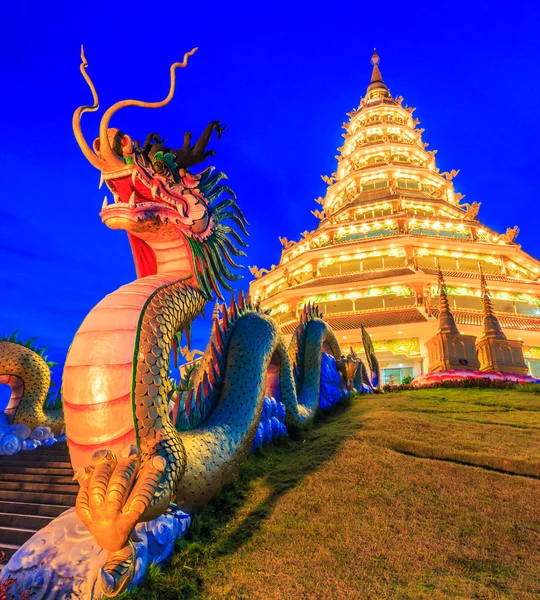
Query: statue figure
{"points": [[350, 193], [320, 214], [328, 180], [510, 235], [320, 200], [428, 300], [471, 210], [190, 355], [459, 196], [258, 273], [286, 243], [450, 175], [289, 279]]}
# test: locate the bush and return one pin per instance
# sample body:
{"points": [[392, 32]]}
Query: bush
{"points": [[468, 382]]}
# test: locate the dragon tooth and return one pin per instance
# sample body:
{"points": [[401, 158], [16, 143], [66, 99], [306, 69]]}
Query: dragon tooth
{"points": [[154, 191], [115, 198], [105, 203], [132, 202], [101, 180], [133, 177]]}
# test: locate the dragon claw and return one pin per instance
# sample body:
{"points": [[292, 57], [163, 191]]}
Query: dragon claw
{"points": [[118, 572], [108, 583]]}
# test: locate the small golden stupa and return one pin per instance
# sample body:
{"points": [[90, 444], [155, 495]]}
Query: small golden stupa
{"points": [[450, 349], [495, 351]]}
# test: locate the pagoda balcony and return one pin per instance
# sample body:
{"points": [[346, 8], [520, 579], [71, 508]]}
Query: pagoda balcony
{"points": [[353, 277], [426, 203], [507, 320], [348, 198], [460, 274], [381, 129], [343, 279], [344, 321]]}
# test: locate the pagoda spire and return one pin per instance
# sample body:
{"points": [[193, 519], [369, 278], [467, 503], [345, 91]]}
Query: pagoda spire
{"points": [[447, 323], [377, 88], [491, 326]]}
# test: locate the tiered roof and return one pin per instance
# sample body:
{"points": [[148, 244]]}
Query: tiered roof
{"points": [[389, 199]]}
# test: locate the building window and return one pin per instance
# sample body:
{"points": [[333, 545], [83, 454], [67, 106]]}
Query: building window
{"points": [[378, 184], [400, 158], [527, 309], [375, 159], [409, 184], [395, 376]]}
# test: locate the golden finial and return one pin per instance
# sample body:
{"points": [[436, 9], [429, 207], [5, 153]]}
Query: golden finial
{"points": [[377, 88], [447, 323], [491, 326]]}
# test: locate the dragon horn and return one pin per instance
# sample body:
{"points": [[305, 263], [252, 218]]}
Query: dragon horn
{"points": [[92, 158], [104, 147]]}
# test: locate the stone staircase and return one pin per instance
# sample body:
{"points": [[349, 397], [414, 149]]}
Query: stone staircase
{"points": [[35, 487]]}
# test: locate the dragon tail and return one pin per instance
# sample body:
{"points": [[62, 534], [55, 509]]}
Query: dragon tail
{"points": [[25, 368]]}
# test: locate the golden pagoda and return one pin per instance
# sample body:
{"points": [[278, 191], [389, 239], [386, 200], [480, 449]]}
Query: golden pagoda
{"points": [[388, 220]]}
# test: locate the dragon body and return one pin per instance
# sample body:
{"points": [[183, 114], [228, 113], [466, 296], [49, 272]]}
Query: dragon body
{"points": [[131, 453], [26, 370]]}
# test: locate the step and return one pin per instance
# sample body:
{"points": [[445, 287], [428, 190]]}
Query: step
{"points": [[36, 478], [43, 451], [54, 448], [35, 455], [23, 521], [15, 535], [46, 464], [63, 472], [37, 497], [7, 551], [25, 486], [33, 509]]}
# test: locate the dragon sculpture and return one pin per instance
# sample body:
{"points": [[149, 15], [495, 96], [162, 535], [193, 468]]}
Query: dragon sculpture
{"points": [[25, 368], [131, 455]]}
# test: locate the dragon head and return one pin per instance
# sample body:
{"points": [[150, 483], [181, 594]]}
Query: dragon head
{"points": [[174, 218]]}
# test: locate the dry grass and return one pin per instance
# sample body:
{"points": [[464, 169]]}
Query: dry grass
{"points": [[371, 503]]}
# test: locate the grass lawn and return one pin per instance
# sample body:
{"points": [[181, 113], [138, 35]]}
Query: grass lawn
{"points": [[425, 494]]}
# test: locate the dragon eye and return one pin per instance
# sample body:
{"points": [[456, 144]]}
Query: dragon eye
{"points": [[161, 168]]}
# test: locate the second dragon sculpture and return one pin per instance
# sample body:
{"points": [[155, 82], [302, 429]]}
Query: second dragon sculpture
{"points": [[133, 456]]}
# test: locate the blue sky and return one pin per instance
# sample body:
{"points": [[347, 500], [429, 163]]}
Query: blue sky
{"points": [[281, 76]]}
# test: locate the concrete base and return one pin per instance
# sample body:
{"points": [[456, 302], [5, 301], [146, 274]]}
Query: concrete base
{"points": [[501, 355], [448, 351]]}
